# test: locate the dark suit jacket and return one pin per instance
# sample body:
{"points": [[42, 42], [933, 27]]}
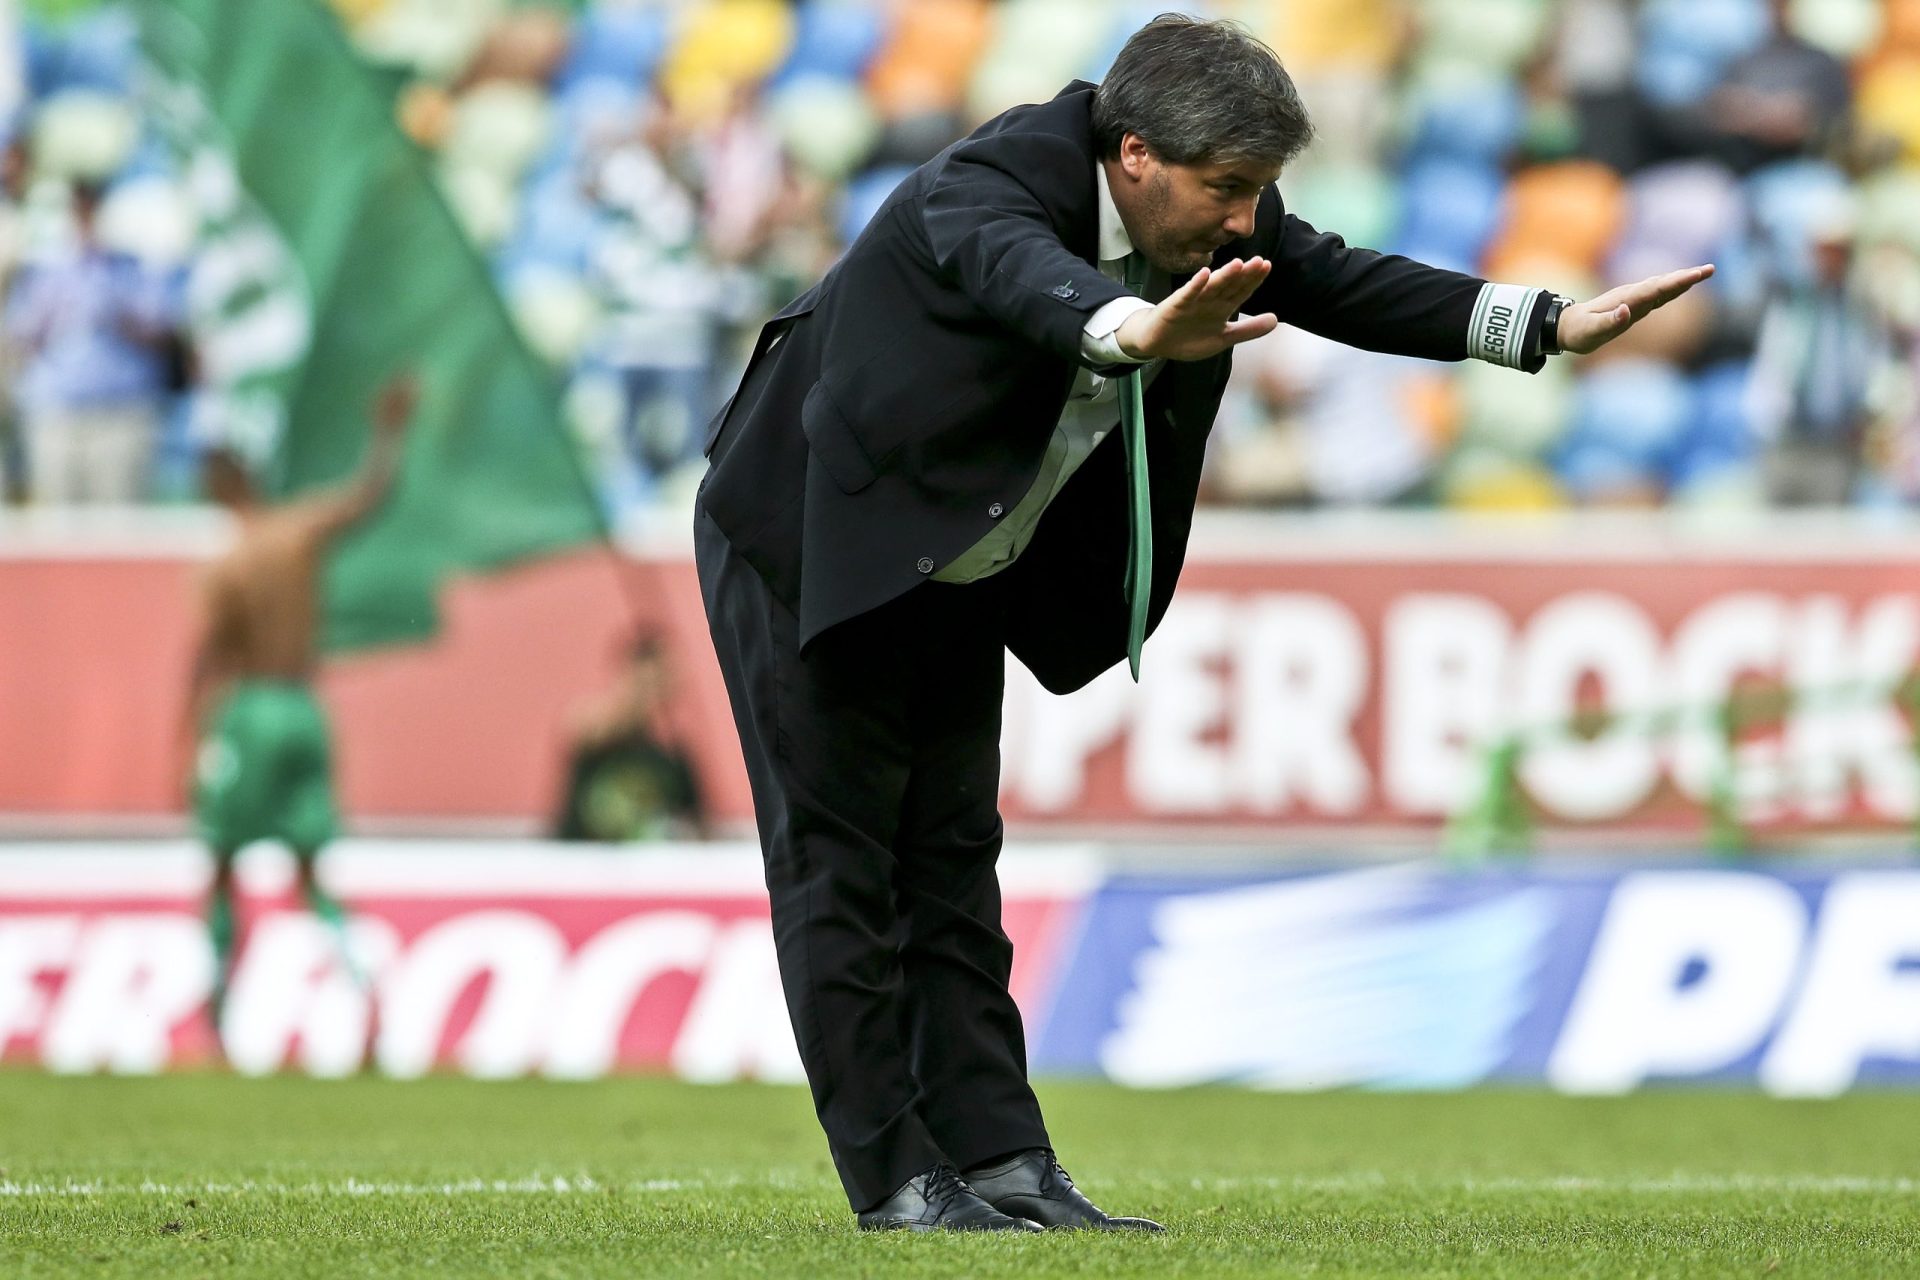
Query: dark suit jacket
{"points": [[894, 410]]}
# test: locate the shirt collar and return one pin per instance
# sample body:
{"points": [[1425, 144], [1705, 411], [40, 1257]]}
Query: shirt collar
{"points": [[1115, 244]]}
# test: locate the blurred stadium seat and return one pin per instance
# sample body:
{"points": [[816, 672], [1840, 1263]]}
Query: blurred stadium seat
{"points": [[643, 166]]}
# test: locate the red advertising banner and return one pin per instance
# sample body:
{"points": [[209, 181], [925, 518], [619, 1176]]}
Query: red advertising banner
{"points": [[1370, 686], [492, 959], [1349, 674]]}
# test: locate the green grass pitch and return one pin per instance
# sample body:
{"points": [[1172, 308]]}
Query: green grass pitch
{"points": [[210, 1176]]}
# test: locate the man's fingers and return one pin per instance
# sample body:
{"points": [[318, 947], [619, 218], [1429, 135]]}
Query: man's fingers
{"points": [[1610, 323], [1679, 282], [1220, 291], [1191, 289], [1202, 317], [1249, 280], [1207, 285], [1595, 325], [1250, 327], [1233, 284], [1242, 275], [1657, 291]]}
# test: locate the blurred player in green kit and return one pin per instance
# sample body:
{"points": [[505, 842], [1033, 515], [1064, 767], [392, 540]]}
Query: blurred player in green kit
{"points": [[262, 762]]}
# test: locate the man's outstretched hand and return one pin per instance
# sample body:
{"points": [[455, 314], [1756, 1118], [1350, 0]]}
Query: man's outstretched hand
{"points": [[1198, 320], [1589, 326]]}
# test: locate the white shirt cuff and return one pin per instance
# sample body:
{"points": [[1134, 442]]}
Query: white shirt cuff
{"points": [[1097, 341], [1497, 333]]}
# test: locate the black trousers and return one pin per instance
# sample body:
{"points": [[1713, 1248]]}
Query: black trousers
{"points": [[875, 766]]}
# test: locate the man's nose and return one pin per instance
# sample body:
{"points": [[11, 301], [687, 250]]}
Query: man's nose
{"points": [[1240, 224]]}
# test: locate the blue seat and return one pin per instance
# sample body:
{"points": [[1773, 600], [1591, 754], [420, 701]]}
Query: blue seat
{"points": [[621, 42], [1477, 120], [833, 38], [1639, 410], [1452, 209]]}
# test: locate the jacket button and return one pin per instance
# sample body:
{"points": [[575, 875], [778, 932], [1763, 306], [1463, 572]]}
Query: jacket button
{"points": [[925, 565], [996, 511], [1064, 293]]}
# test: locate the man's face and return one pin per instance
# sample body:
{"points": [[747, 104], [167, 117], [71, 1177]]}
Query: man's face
{"points": [[1182, 213]]}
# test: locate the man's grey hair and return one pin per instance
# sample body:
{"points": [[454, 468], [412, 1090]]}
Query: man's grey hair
{"points": [[1201, 92]]}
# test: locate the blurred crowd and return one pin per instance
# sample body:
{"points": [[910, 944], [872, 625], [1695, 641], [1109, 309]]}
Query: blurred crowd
{"points": [[1579, 145], [650, 178]]}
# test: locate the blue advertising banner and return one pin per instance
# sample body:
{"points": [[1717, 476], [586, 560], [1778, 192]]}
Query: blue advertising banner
{"points": [[1805, 983]]}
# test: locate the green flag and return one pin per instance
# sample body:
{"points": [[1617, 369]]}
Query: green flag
{"points": [[331, 261]]}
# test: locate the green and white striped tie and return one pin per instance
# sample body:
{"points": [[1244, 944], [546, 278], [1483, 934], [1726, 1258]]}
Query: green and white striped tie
{"points": [[1133, 428]]}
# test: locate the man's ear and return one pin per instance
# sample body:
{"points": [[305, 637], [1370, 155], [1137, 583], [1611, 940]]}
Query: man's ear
{"points": [[1135, 156]]}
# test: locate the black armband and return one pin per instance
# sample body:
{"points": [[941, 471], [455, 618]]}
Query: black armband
{"points": [[1550, 325]]}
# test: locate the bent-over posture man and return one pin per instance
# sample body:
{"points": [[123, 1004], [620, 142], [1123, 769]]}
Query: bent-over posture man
{"points": [[262, 768], [915, 476]]}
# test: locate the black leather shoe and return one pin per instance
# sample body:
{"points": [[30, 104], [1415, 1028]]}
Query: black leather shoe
{"points": [[938, 1200], [1033, 1185]]}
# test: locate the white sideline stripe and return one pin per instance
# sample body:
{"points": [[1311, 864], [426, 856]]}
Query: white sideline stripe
{"points": [[1576, 537], [1268, 538], [344, 1187], [1676, 1184], [123, 870]]}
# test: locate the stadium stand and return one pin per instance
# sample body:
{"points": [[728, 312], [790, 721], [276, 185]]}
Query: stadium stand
{"points": [[650, 179]]}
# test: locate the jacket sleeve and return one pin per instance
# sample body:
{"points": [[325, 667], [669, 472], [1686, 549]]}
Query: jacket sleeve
{"points": [[993, 238], [1384, 302]]}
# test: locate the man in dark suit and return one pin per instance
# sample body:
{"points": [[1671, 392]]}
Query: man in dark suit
{"points": [[911, 481]]}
